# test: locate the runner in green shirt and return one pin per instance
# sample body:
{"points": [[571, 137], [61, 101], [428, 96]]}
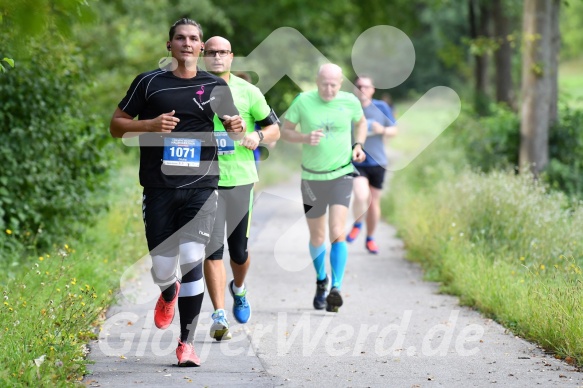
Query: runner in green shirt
{"points": [[237, 177], [326, 118]]}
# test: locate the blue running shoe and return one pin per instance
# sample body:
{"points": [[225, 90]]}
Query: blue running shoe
{"points": [[220, 326], [241, 306], [321, 291]]}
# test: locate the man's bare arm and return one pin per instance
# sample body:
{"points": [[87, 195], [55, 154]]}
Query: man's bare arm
{"points": [[122, 123], [289, 133]]}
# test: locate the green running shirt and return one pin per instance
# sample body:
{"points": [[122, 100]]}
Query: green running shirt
{"points": [[237, 167], [335, 118]]}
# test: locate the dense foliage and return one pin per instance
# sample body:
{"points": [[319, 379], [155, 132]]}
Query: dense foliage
{"points": [[491, 143], [566, 152], [53, 151], [54, 148]]}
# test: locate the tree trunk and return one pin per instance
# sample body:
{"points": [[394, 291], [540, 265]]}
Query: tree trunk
{"points": [[554, 71], [503, 56], [536, 72], [479, 28]]}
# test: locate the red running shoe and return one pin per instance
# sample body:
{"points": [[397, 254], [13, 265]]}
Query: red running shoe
{"points": [[371, 246], [186, 355], [353, 234], [164, 311]]}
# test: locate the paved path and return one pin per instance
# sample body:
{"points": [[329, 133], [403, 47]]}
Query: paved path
{"points": [[394, 330]]}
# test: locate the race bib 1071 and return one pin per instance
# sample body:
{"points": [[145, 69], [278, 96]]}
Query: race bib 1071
{"points": [[181, 152]]}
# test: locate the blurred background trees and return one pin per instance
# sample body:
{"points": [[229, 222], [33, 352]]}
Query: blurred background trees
{"points": [[74, 60]]}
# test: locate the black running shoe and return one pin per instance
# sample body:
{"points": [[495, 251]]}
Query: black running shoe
{"points": [[321, 291], [333, 300]]}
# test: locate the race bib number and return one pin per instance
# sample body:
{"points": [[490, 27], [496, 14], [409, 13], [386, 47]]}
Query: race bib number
{"points": [[225, 143], [181, 152]]}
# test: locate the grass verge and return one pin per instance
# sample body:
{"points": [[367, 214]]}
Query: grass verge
{"points": [[501, 242], [52, 306]]}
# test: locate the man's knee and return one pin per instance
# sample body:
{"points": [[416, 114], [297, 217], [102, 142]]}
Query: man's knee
{"points": [[239, 256]]}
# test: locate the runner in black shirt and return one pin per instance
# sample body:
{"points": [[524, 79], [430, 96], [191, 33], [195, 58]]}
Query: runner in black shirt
{"points": [[179, 172]]}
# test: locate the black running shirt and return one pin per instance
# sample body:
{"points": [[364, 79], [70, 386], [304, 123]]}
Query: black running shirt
{"points": [[187, 156]]}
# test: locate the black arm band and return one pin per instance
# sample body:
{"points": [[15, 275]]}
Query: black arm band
{"points": [[270, 119]]}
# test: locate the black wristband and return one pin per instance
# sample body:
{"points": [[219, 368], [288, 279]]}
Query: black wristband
{"points": [[360, 144]]}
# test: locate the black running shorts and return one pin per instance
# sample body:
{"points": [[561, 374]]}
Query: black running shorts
{"points": [[374, 174], [171, 215]]}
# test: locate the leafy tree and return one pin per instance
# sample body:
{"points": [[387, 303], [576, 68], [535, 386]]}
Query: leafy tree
{"points": [[571, 24], [8, 61], [54, 155]]}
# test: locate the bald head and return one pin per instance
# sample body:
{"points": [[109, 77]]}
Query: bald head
{"points": [[213, 61], [329, 81], [330, 70], [218, 40]]}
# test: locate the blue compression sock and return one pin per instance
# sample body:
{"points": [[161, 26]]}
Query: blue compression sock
{"points": [[318, 255], [338, 258]]}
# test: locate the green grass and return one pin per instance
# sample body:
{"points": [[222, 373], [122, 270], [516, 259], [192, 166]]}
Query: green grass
{"points": [[499, 241], [420, 127], [571, 82], [52, 306]]}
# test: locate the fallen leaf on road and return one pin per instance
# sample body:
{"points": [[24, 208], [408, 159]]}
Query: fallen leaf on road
{"points": [[569, 360]]}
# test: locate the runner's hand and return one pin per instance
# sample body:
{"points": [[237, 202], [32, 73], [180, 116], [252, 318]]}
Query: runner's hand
{"points": [[166, 122], [315, 136], [377, 128], [358, 154], [250, 141], [233, 123]]}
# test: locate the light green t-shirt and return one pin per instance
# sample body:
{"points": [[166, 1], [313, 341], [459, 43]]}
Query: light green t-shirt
{"points": [[335, 118], [237, 163]]}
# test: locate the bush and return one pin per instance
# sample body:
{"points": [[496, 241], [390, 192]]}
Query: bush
{"points": [[52, 305], [490, 142], [566, 153], [54, 155]]}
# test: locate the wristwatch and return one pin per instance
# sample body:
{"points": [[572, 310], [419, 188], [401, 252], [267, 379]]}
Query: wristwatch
{"points": [[260, 133], [358, 143]]}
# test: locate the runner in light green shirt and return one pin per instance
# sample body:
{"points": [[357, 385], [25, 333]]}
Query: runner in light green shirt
{"points": [[326, 118], [237, 164], [334, 118], [237, 177]]}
